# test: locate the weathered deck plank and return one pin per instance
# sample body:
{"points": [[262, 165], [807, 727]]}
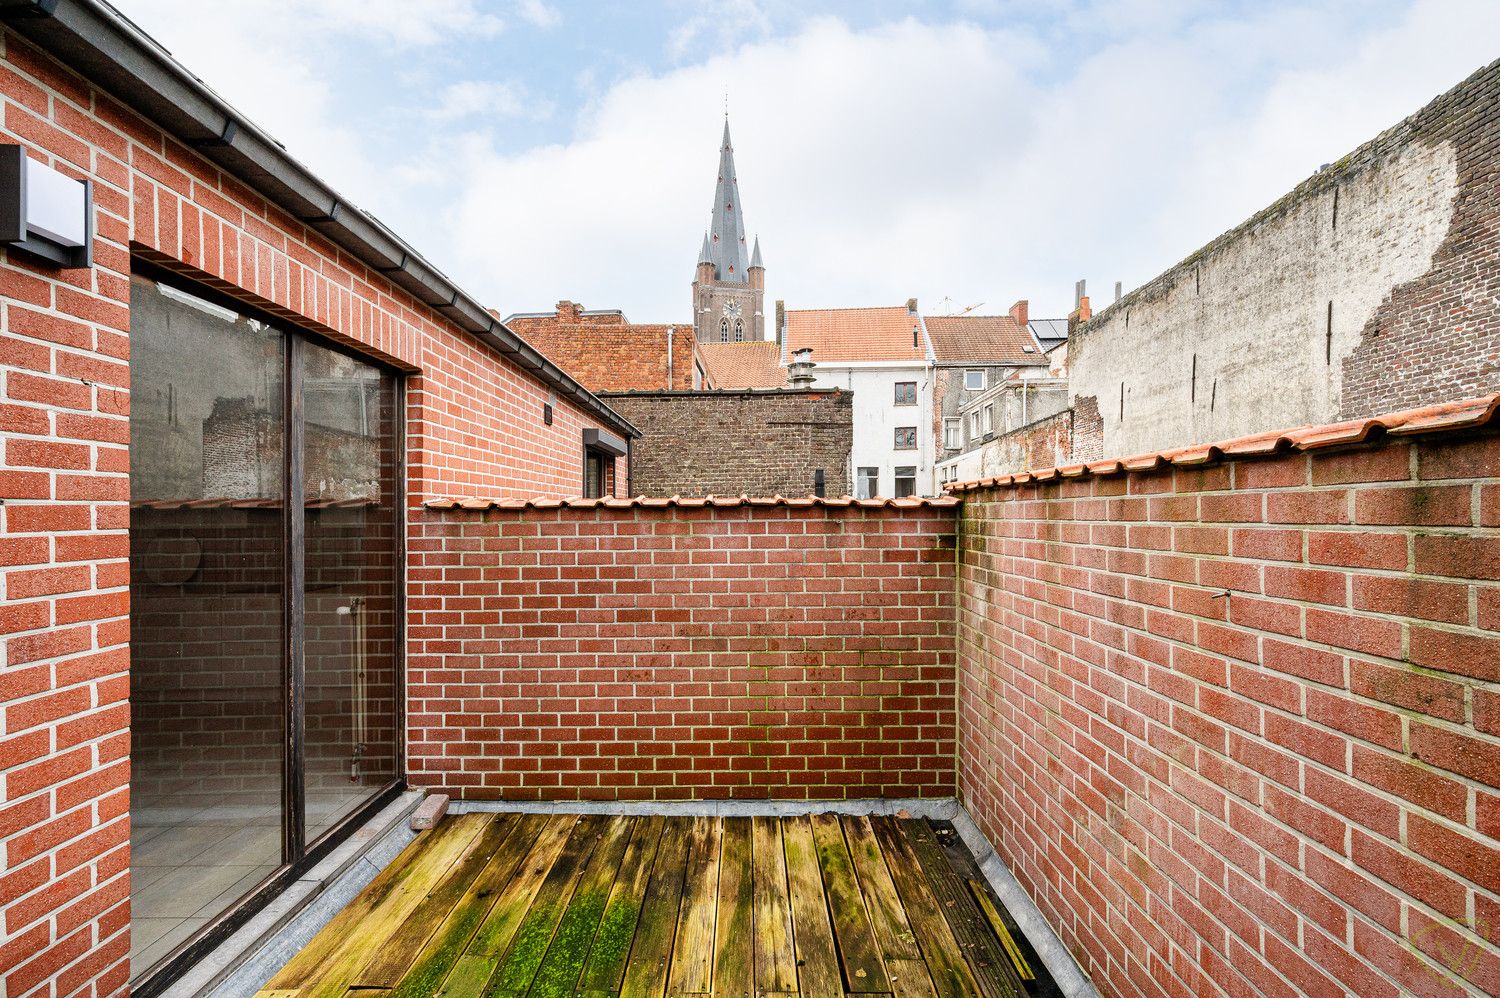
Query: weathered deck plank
{"points": [[651, 953], [734, 943], [331, 958], [605, 969], [817, 960], [864, 972], [693, 951], [775, 960], [568, 906], [945, 961]]}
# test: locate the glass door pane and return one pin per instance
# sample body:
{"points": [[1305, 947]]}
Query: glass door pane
{"points": [[207, 603], [350, 459]]}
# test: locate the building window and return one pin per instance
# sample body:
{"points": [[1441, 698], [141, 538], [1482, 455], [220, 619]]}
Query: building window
{"points": [[867, 483], [598, 470], [952, 438], [739, 330], [906, 393], [906, 482], [974, 381], [906, 438], [988, 414], [723, 330]]}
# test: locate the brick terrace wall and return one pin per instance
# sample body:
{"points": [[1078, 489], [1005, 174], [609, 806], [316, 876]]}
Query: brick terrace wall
{"points": [[1237, 729], [732, 443], [676, 653], [475, 427], [608, 354]]}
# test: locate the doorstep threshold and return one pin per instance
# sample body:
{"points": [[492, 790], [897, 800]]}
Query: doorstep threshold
{"points": [[254, 952]]}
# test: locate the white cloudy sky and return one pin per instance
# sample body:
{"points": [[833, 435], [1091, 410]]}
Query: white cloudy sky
{"points": [[961, 151]]}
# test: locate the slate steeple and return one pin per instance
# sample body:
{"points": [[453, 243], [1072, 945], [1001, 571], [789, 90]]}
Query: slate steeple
{"points": [[729, 281], [726, 235]]}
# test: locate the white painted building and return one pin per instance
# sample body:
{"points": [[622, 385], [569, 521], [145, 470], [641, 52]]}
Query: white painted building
{"points": [[883, 356]]}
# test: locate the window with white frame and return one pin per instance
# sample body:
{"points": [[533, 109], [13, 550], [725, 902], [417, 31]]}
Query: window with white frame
{"points": [[988, 418], [906, 481], [867, 483], [952, 437], [974, 380]]}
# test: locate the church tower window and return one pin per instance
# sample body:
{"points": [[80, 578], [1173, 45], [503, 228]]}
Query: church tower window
{"points": [[723, 330], [739, 331]]}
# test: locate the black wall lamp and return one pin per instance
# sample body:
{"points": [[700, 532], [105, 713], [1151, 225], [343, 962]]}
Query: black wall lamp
{"points": [[45, 212]]}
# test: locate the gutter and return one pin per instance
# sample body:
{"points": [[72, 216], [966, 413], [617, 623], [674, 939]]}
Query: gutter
{"points": [[94, 40]]}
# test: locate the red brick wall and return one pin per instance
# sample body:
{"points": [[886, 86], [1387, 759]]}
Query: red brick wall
{"points": [[678, 653], [1237, 729], [608, 354], [475, 427]]}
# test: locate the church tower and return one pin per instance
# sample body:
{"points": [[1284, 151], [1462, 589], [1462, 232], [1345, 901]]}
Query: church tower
{"points": [[729, 285]]}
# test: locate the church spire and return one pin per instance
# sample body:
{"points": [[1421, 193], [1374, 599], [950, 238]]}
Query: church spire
{"points": [[727, 250], [703, 255], [755, 257]]}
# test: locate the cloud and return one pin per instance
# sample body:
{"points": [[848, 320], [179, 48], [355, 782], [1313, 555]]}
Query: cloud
{"points": [[949, 160], [538, 14], [489, 99], [944, 160]]}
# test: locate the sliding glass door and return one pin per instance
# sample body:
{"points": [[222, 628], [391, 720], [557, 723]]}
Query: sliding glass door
{"points": [[265, 634]]}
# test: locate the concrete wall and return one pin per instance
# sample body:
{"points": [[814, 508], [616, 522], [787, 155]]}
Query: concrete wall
{"points": [[1236, 728], [739, 443], [1369, 288]]}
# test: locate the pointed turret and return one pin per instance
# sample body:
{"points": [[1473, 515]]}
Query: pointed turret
{"points": [[703, 254], [755, 257], [727, 248]]}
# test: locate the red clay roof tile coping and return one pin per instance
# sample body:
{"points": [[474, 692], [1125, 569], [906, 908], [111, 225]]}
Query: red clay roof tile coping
{"points": [[1447, 416], [695, 502]]}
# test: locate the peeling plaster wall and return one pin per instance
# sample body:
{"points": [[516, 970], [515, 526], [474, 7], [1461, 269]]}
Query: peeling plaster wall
{"points": [[1373, 286]]}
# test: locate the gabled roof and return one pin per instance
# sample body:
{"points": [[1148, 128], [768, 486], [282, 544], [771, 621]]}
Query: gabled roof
{"points": [[856, 334], [756, 364], [989, 339]]}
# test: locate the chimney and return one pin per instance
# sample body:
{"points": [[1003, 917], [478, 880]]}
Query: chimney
{"points": [[568, 310], [1020, 312], [1080, 288], [1080, 315], [799, 371], [911, 306], [780, 319]]}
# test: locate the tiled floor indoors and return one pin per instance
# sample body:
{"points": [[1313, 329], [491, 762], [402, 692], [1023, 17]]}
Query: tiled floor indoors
{"points": [[568, 905]]}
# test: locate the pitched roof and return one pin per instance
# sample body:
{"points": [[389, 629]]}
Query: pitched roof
{"points": [[993, 339], [754, 364], [856, 334], [1447, 416]]}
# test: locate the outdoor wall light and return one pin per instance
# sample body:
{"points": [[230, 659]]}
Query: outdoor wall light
{"points": [[44, 212]]}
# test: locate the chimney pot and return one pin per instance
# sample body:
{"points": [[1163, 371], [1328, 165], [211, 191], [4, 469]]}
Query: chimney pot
{"points": [[911, 306]]}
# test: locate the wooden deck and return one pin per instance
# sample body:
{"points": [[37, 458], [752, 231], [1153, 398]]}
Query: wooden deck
{"points": [[568, 905]]}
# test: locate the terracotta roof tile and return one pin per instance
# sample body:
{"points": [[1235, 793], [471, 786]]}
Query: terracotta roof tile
{"points": [[698, 502], [854, 334], [1466, 414], [756, 364], [997, 339]]}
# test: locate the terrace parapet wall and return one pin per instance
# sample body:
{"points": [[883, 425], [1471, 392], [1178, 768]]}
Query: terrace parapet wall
{"points": [[1235, 723], [623, 651]]}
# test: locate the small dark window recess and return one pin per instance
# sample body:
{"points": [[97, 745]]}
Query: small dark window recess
{"points": [[906, 438], [906, 393], [547, 408], [820, 487], [1328, 334], [600, 448]]}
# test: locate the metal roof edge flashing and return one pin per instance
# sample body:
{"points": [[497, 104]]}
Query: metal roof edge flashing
{"points": [[96, 41]]}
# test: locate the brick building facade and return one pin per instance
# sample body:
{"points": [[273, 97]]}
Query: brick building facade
{"points": [[185, 189], [607, 352], [759, 443]]}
